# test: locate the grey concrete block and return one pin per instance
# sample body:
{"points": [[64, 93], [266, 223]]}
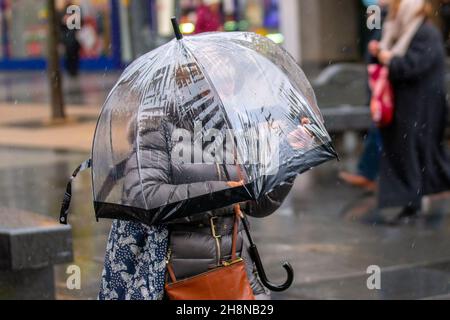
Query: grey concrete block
{"points": [[30, 284], [347, 118], [30, 241]]}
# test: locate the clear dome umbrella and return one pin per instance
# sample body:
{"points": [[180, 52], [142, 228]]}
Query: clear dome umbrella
{"points": [[233, 101], [204, 122]]}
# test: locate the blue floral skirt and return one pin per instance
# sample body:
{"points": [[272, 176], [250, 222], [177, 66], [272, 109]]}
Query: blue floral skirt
{"points": [[135, 265]]}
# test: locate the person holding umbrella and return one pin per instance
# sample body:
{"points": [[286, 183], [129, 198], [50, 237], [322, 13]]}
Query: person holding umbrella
{"points": [[184, 150], [196, 243]]}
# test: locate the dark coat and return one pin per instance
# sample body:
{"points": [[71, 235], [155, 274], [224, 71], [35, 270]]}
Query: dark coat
{"points": [[414, 163]]}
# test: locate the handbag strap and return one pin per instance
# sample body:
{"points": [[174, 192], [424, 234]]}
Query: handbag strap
{"points": [[117, 172], [237, 210], [172, 276], [237, 214], [64, 212]]}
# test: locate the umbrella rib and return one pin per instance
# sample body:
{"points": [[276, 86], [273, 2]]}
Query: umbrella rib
{"points": [[213, 88]]}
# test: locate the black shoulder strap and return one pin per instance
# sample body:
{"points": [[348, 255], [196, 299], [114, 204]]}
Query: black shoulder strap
{"points": [[68, 195], [115, 173]]}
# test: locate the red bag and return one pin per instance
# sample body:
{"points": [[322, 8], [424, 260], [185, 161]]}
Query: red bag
{"points": [[382, 102]]}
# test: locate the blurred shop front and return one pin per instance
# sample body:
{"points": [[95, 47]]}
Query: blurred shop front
{"points": [[260, 16], [23, 33], [148, 22], [114, 32]]}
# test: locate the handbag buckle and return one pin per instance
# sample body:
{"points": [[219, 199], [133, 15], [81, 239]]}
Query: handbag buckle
{"points": [[231, 262], [213, 228]]}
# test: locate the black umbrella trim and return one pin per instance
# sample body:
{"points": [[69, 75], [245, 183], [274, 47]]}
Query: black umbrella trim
{"points": [[218, 199]]}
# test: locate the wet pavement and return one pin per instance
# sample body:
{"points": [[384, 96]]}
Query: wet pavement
{"points": [[31, 86], [318, 229], [338, 84], [343, 85]]}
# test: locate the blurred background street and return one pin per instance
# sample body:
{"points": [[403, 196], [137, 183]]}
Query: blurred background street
{"points": [[321, 228]]}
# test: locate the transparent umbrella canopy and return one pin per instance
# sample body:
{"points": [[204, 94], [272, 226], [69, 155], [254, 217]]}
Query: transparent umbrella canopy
{"points": [[203, 122]]}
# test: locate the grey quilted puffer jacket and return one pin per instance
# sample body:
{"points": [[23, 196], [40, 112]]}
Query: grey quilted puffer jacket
{"points": [[193, 248]]}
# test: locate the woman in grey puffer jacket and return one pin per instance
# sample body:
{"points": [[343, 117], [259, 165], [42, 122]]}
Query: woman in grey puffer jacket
{"points": [[197, 243]]}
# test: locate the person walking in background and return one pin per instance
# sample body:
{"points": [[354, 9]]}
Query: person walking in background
{"points": [[208, 16], [413, 162], [368, 164], [71, 45]]}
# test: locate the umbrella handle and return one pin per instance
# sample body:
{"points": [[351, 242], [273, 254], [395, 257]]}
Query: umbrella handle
{"points": [[262, 274], [176, 28], [260, 268]]}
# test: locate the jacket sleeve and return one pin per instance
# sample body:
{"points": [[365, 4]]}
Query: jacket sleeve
{"points": [[270, 202], [420, 57], [148, 182]]}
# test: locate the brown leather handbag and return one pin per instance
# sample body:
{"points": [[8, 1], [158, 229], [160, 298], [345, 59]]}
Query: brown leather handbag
{"points": [[226, 282]]}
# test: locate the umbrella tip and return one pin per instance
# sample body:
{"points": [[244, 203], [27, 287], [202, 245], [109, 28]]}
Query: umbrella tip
{"points": [[176, 28]]}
